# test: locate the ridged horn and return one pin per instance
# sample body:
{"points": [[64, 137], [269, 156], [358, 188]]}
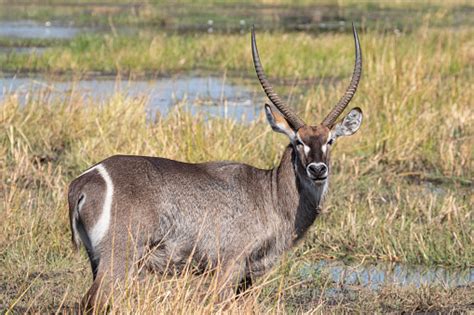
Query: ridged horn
{"points": [[291, 117], [344, 101]]}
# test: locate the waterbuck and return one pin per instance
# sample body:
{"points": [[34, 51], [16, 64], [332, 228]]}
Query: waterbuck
{"points": [[132, 211]]}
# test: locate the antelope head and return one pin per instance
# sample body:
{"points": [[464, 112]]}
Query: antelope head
{"points": [[312, 143]]}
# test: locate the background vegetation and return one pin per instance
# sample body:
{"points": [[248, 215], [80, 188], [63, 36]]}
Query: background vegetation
{"points": [[401, 189]]}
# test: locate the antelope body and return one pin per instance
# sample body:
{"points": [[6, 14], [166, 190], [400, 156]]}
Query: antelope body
{"points": [[138, 211]]}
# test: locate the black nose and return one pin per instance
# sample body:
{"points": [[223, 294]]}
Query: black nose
{"points": [[318, 170]]}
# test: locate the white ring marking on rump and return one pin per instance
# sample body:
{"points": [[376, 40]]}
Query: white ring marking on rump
{"points": [[102, 225]]}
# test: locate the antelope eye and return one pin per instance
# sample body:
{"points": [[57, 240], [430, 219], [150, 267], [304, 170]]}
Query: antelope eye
{"points": [[299, 143], [330, 142]]}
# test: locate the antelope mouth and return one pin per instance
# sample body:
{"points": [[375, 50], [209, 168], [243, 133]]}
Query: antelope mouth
{"points": [[319, 179]]}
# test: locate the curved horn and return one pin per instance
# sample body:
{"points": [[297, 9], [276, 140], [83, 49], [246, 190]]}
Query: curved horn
{"points": [[344, 101], [293, 120]]}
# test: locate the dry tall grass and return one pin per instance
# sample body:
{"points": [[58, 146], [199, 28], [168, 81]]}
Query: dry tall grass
{"points": [[401, 189]]}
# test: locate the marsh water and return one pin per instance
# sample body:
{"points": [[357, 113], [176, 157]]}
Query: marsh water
{"points": [[376, 276], [37, 30], [208, 95]]}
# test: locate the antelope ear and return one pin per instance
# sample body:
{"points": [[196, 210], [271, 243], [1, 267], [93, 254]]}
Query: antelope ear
{"points": [[350, 124], [279, 123]]}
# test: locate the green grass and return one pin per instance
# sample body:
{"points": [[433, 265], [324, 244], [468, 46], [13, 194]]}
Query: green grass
{"points": [[327, 55], [162, 39], [401, 188]]}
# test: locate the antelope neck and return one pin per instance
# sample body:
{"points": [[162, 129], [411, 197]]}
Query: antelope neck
{"points": [[296, 199]]}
